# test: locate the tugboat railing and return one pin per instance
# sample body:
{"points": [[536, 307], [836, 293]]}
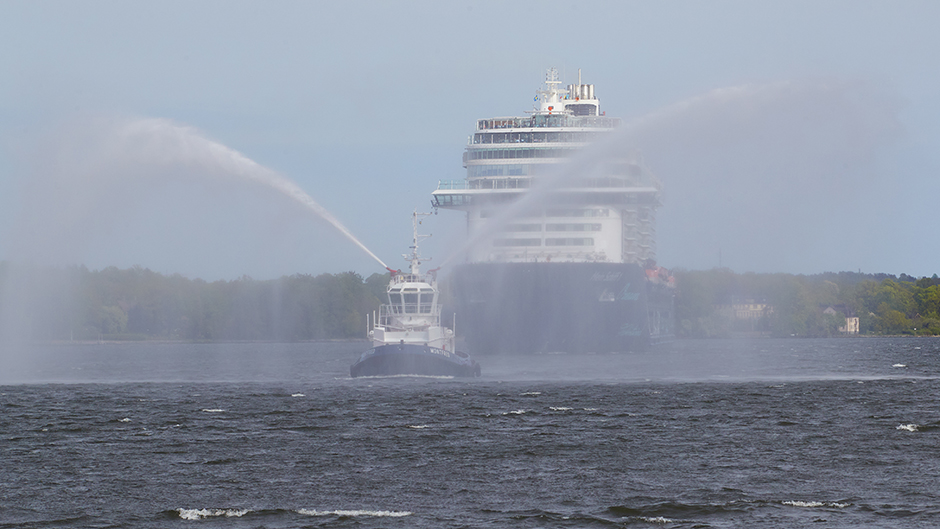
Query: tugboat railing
{"points": [[421, 314]]}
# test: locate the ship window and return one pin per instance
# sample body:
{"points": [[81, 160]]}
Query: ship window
{"points": [[582, 109], [394, 299], [517, 242], [587, 241], [559, 212], [411, 303], [573, 227], [523, 227], [426, 301]]}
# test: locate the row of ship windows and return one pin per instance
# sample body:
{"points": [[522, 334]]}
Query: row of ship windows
{"points": [[530, 169], [551, 241], [564, 212], [464, 200], [397, 299], [500, 154], [552, 227], [542, 120], [499, 182], [534, 137]]}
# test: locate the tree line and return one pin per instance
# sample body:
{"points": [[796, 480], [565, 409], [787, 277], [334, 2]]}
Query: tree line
{"points": [[807, 305], [81, 304], [76, 303]]}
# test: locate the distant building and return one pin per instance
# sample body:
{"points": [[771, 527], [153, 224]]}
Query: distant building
{"points": [[851, 325], [851, 322]]}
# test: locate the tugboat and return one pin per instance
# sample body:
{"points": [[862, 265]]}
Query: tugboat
{"points": [[407, 336]]}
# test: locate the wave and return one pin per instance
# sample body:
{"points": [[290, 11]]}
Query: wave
{"points": [[812, 504], [201, 514], [672, 510], [354, 513], [656, 519]]}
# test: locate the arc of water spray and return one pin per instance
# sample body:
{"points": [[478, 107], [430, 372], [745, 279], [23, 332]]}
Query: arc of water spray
{"points": [[749, 99], [165, 141]]}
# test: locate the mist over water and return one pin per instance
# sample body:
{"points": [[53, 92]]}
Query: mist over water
{"points": [[132, 188], [102, 164], [759, 171], [781, 177]]}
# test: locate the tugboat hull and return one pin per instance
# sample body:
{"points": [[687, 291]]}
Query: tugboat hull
{"points": [[413, 359]]}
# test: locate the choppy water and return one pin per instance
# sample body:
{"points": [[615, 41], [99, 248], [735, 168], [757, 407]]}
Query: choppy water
{"points": [[769, 433]]}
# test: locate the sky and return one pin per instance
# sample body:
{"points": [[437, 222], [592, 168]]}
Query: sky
{"points": [[796, 137]]}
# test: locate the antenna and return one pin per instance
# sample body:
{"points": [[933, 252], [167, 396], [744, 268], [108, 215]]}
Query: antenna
{"points": [[415, 258]]}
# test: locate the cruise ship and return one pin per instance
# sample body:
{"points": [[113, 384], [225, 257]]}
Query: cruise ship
{"points": [[561, 221]]}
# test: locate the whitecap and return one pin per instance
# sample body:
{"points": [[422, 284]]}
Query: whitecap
{"points": [[657, 519], [389, 514], [213, 410], [899, 365], [298, 395], [832, 504], [560, 408], [804, 503], [200, 514], [418, 426], [125, 419], [514, 412], [908, 427], [590, 409], [530, 393]]}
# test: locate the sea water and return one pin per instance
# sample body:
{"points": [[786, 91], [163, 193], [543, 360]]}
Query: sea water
{"points": [[724, 433]]}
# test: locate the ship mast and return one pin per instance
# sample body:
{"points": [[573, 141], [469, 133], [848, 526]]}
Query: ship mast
{"points": [[414, 258], [550, 100]]}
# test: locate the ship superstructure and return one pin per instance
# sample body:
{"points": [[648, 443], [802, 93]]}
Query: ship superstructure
{"points": [[606, 215], [412, 314], [573, 266]]}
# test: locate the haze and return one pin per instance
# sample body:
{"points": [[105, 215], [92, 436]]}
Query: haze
{"points": [[789, 137]]}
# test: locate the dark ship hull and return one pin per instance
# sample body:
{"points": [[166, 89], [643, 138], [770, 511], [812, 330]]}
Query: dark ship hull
{"points": [[413, 359], [507, 308]]}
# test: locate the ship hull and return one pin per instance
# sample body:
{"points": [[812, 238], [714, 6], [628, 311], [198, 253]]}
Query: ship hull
{"points": [[413, 359], [507, 308]]}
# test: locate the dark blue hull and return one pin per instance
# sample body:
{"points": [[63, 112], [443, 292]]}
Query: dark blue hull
{"points": [[509, 308], [412, 359]]}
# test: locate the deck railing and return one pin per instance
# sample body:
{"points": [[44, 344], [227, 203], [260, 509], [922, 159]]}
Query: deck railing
{"points": [[397, 316]]}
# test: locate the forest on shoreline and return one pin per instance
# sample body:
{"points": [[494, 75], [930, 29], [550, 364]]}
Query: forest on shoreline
{"points": [[75, 303], [806, 305]]}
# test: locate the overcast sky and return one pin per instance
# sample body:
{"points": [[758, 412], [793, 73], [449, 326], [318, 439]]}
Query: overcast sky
{"points": [[789, 136]]}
